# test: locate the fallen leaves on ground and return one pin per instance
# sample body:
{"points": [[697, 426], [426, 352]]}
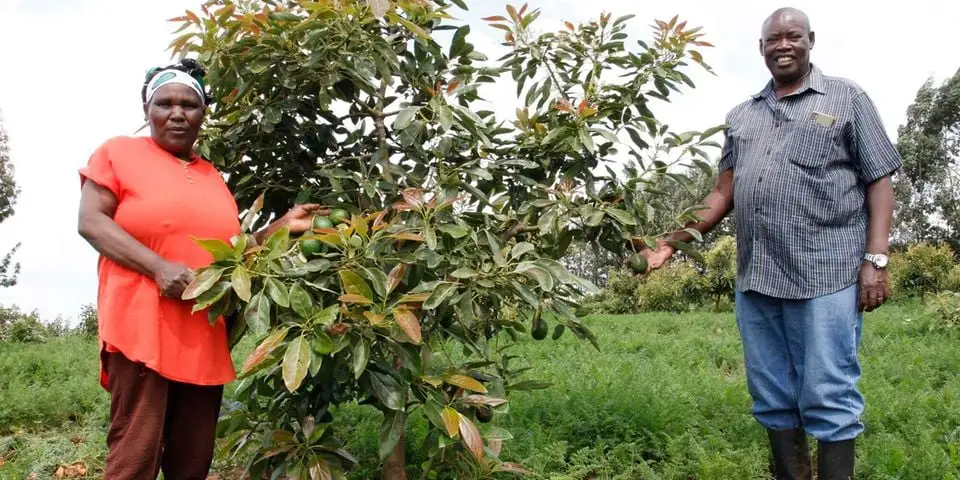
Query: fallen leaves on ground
{"points": [[74, 470]]}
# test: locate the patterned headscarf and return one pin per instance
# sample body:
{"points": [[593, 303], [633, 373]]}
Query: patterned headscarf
{"points": [[170, 76]]}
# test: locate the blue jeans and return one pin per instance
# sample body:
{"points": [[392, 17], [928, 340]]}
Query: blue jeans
{"points": [[801, 362]]}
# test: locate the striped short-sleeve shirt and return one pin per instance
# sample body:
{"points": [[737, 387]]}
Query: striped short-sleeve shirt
{"points": [[802, 164]]}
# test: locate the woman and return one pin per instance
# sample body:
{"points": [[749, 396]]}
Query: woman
{"points": [[143, 201]]}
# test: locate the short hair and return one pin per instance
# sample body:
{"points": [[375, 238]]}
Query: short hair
{"points": [[793, 12]]}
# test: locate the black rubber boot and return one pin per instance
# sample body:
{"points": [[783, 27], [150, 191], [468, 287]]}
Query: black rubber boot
{"points": [[791, 455], [835, 460]]}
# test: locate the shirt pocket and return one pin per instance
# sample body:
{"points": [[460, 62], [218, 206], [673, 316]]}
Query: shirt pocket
{"points": [[812, 145]]}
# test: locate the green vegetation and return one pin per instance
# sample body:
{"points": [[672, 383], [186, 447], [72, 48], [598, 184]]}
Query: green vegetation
{"points": [[664, 399]]}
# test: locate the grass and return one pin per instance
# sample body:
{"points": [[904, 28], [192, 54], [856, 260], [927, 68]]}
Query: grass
{"points": [[665, 399]]}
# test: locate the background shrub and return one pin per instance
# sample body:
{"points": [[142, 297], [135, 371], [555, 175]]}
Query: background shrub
{"points": [[677, 287], [922, 269]]}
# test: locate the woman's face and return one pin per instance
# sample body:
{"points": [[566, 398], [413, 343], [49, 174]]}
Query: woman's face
{"points": [[175, 115]]}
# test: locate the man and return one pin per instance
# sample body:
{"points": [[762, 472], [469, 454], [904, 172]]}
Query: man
{"points": [[807, 165]]}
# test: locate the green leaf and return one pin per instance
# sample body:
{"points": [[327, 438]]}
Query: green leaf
{"points": [[300, 301], [278, 241], [241, 283], [455, 231], [277, 292], [361, 355], [379, 8], [390, 432], [405, 117], [587, 140], [327, 316], [537, 273], [257, 314], [529, 385], [430, 237], [704, 167], [445, 116], [712, 131], [202, 283], [218, 248], [459, 42], [296, 362], [694, 233], [622, 216], [528, 296], [688, 249], [520, 249], [388, 390], [432, 409], [211, 296], [637, 139], [439, 295], [323, 344], [463, 273], [353, 283], [595, 218]]}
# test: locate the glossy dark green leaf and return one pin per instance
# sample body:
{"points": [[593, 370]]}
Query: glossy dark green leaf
{"points": [[207, 278], [439, 295], [390, 392], [257, 314], [361, 355], [240, 279], [300, 301], [390, 432], [296, 362], [405, 117], [277, 292]]}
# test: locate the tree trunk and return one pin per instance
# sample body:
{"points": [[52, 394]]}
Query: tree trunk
{"points": [[395, 467]]}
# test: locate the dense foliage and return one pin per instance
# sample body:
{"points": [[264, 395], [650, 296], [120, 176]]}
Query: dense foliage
{"points": [[445, 223]]}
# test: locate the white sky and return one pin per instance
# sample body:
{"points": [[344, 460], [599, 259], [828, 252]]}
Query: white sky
{"points": [[71, 71]]}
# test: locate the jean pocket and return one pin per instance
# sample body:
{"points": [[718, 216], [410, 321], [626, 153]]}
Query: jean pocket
{"points": [[812, 145]]}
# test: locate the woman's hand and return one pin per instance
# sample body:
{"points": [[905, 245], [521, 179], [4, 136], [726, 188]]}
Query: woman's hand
{"points": [[172, 279], [300, 218]]}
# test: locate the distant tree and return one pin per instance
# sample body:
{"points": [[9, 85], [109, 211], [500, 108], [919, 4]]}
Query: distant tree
{"points": [[928, 197], [88, 320], [8, 196]]}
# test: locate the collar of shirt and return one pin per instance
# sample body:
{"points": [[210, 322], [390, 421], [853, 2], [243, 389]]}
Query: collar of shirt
{"points": [[814, 82]]}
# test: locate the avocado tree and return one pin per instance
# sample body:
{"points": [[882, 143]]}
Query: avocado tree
{"points": [[440, 246]]}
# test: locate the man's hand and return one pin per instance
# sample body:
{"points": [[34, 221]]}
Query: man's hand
{"points": [[874, 287], [658, 257], [172, 279]]}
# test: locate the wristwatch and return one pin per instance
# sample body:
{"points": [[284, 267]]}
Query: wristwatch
{"points": [[878, 260]]}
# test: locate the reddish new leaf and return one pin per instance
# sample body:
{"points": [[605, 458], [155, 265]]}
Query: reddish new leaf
{"points": [[260, 353], [396, 276], [354, 298], [409, 323], [471, 436]]}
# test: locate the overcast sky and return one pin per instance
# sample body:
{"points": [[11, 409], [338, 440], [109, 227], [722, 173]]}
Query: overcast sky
{"points": [[71, 71]]}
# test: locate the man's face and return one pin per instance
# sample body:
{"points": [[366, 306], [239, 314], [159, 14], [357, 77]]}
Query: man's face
{"points": [[785, 47]]}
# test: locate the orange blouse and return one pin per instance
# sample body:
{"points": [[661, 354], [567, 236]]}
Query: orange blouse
{"points": [[164, 205]]}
